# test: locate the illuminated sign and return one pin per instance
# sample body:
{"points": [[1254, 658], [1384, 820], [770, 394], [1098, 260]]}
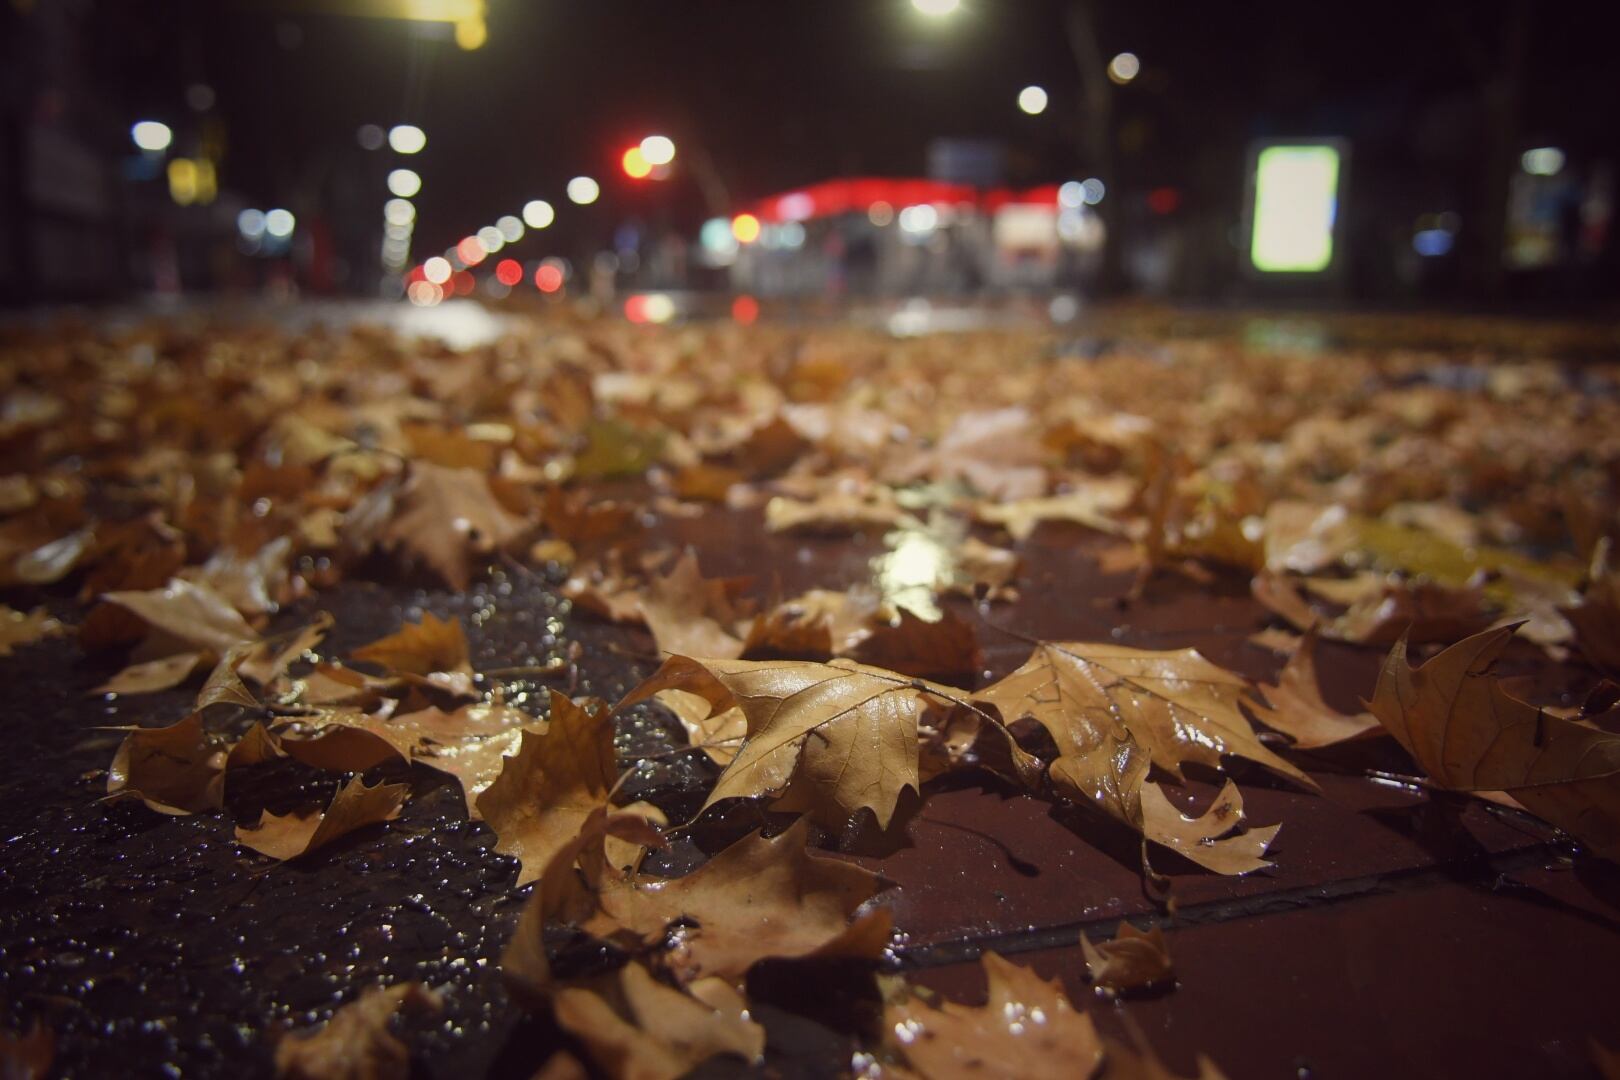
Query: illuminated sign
{"points": [[1295, 207]]}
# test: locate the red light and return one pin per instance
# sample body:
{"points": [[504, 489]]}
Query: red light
{"points": [[1164, 200], [470, 251], [635, 308], [508, 272], [636, 165], [745, 309], [548, 279], [462, 282], [416, 274]]}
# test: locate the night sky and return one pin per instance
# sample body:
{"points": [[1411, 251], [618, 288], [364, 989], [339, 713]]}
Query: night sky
{"points": [[781, 92]]}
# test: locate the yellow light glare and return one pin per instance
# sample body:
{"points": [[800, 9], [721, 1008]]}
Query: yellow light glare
{"points": [[183, 181], [471, 33], [1032, 100], [936, 9], [1296, 197], [745, 227]]}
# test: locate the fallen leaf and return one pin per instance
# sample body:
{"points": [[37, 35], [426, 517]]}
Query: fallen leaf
{"points": [[1176, 704], [27, 1057], [637, 1028], [190, 613], [356, 1044], [550, 786], [718, 733], [472, 744], [829, 739], [836, 512], [1133, 960], [154, 675], [179, 769], [1140, 1062], [690, 615], [1296, 707], [1026, 1028], [945, 648], [446, 519], [1204, 839], [757, 898], [17, 628], [425, 648], [1381, 613], [982, 566], [1467, 734], [997, 452], [266, 663], [354, 807], [1094, 505]]}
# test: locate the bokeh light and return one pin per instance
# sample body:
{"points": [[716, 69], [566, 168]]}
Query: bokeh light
{"points": [[511, 228], [1543, 161], [635, 164], [399, 212], [406, 139], [745, 310], [404, 182], [370, 137], [153, 136], [437, 270], [880, 214], [936, 8], [658, 149], [509, 271], [1092, 191], [470, 251], [1032, 100], [426, 293], [280, 223], [583, 190], [1124, 67], [250, 223], [490, 239], [537, 214], [745, 227], [549, 277]]}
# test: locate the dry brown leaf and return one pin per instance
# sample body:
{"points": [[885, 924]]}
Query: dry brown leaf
{"points": [[1388, 610], [356, 1044], [179, 769], [1026, 1028], [154, 675], [17, 628], [190, 613], [1094, 505], [1298, 710], [268, 662], [997, 452], [829, 739], [1175, 704], [255, 748], [1467, 734], [27, 1057], [637, 1028], [446, 519], [718, 734], [425, 648], [690, 615], [836, 512], [254, 585], [757, 898], [982, 566], [1204, 839], [546, 791], [606, 591], [354, 807], [1133, 960], [472, 744], [945, 648]]}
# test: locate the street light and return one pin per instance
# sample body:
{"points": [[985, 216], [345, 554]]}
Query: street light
{"points": [[1032, 100], [936, 9], [404, 183], [537, 214], [1124, 67], [658, 150], [406, 139]]}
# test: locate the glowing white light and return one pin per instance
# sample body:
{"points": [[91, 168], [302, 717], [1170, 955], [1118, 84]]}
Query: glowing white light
{"points": [[406, 139], [537, 214], [511, 228], [1543, 161], [151, 136], [658, 150], [583, 190], [437, 270], [791, 235], [796, 206], [490, 239], [250, 223], [399, 212], [1072, 194], [1092, 191], [1032, 100], [658, 308], [919, 220], [404, 183], [1124, 67], [935, 9], [280, 223]]}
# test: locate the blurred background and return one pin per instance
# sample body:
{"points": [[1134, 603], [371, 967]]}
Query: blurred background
{"points": [[660, 157]]}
